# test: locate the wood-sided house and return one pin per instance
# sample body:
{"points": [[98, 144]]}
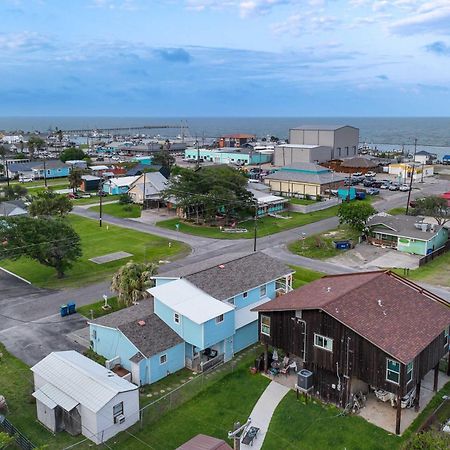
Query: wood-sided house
{"points": [[360, 331]]}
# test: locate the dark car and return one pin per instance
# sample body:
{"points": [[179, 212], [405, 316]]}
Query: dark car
{"points": [[377, 184], [368, 182]]}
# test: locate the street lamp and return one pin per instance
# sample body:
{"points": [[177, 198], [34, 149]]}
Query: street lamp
{"points": [[100, 191]]}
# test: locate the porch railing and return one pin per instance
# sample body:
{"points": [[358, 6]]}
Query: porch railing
{"points": [[207, 365], [381, 242]]}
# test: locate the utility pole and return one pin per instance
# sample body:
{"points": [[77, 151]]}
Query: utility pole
{"points": [[45, 174], [412, 176], [255, 225], [145, 190], [101, 202], [198, 152]]}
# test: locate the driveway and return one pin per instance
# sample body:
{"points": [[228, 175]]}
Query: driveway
{"points": [[12, 286]]}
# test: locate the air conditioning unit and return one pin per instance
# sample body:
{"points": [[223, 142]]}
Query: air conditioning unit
{"points": [[305, 379], [119, 419]]}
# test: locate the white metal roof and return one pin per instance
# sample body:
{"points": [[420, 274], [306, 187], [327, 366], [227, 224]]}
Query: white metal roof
{"points": [[123, 181], [244, 316], [48, 394], [188, 300], [99, 167], [81, 379]]}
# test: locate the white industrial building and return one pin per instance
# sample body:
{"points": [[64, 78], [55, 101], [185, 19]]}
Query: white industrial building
{"points": [[288, 154], [75, 394], [341, 140]]}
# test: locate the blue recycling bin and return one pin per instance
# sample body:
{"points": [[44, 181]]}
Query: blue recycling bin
{"points": [[71, 307], [64, 310]]}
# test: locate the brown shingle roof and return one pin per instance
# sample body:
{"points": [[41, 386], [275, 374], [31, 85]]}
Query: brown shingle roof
{"points": [[204, 442], [394, 314]]}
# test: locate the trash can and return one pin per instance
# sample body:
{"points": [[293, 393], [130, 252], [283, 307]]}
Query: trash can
{"points": [[71, 307], [64, 310]]}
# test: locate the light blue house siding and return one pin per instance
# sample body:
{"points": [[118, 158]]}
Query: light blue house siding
{"points": [[246, 336], [52, 173], [422, 247], [155, 371], [216, 332], [225, 157], [113, 189], [254, 295], [161, 280], [438, 240]]}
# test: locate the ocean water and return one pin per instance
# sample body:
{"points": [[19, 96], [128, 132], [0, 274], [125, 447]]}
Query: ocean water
{"points": [[433, 134]]}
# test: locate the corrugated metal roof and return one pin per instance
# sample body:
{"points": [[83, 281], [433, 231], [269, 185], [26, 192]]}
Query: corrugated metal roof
{"points": [[58, 397], [190, 301], [82, 379], [244, 316], [39, 395]]}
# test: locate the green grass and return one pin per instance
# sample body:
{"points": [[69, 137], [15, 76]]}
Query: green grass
{"points": [[266, 225], [433, 272], [304, 276], [301, 201], [320, 246], [211, 412], [50, 182], [98, 241], [315, 426], [98, 311], [397, 211], [16, 383], [89, 200], [120, 210], [54, 187]]}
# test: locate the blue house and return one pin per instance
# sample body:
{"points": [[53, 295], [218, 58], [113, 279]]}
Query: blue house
{"points": [[120, 185], [202, 315], [39, 169]]}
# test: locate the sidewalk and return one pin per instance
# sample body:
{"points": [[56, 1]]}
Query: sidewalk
{"points": [[263, 411]]}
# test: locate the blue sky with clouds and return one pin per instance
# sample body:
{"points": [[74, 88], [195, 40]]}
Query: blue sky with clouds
{"points": [[225, 57]]}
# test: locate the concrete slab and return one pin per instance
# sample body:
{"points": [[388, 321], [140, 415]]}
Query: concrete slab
{"points": [[395, 259], [110, 257]]}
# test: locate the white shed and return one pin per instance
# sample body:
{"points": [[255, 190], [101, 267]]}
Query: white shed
{"points": [[75, 394]]}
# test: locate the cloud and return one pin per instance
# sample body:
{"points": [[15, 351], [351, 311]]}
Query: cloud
{"points": [[25, 41], [174, 55], [383, 77], [438, 48]]}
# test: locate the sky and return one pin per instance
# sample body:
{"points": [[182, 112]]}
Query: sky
{"points": [[203, 58]]}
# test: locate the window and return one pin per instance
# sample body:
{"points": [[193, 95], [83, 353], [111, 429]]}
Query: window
{"points": [[245, 294], [446, 339], [265, 325], [176, 318], [231, 300], [262, 291], [409, 372], [94, 334], [323, 342], [219, 319], [163, 359], [392, 371], [117, 409]]}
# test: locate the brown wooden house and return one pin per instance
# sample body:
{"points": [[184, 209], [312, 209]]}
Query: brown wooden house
{"points": [[360, 331]]}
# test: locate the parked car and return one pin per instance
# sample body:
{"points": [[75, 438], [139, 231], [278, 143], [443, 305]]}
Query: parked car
{"points": [[404, 188], [373, 191], [357, 174], [25, 179], [371, 174], [384, 186], [394, 187], [368, 182], [377, 184], [73, 196]]}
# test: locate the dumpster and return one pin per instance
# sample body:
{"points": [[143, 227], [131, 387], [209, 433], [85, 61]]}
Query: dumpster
{"points": [[71, 307], [64, 310], [342, 245]]}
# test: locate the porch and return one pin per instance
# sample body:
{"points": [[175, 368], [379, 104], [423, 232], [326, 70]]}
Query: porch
{"points": [[205, 360], [384, 242]]}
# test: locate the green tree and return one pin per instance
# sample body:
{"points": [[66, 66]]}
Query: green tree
{"points": [[48, 203], [125, 199], [164, 159], [13, 192], [5, 440], [75, 179], [433, 206], [35, 143], [428, 440], [132, 280], [355, 214], [72, 154], [50, 241]]}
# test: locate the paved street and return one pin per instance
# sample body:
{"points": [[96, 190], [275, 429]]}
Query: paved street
{"points": [[21, 303]]}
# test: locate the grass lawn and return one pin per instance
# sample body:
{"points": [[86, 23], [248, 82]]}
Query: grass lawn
{"points": [[54, 187], [213, 412], [301, 201], [50, 181], [98, 241], [97, 309], [16, 383], [304, 276], [320, 246], [433, 272], [316, 426], [397, 211], [266, 225], [120, 210]]}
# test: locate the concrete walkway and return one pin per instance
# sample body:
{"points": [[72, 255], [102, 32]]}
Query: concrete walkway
{"points": [[263, 411]]}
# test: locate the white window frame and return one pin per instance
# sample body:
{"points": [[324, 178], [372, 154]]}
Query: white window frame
{"points": [[117, 413], [409, 372], [393, 371], [262, 291], [176, 318], [446, 336], [161, 362], [219, 319], [324, 345], [265, 328], [245, 294]]}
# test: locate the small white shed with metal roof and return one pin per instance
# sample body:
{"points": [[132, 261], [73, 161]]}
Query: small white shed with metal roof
{"points": [[77, 395]]}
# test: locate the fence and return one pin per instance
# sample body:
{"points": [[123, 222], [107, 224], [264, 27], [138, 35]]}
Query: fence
{"points": [[445, 248], [318, 206], [21, 440], [180, 395]]}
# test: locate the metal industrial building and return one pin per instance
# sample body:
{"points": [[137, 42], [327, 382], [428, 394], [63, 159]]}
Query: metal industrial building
{"points": [[318, 143]]}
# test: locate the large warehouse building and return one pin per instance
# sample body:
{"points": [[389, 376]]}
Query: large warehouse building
{"points": [[317, 144]]}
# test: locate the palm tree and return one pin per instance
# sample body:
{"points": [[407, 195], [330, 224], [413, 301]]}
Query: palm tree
{"points": [[75, 179], [132, 280]]}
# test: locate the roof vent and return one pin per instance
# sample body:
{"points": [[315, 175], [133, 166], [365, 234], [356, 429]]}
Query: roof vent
{"points": [[221, 266], [380, 304], [141, 323], [328, 289]]}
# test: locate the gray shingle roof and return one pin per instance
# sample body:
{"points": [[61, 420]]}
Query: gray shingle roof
{"points": [[153, 337], [126, 315], [401, 226], [237, 275]]}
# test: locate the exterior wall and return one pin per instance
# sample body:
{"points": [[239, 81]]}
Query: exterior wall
{"points": [[46, 416], [217, 332], [188, 330], [52, 173], [175, 361], [285, 156], [253, 295], [413, 246], [112, 189], [162, 280], [110, 343], [105, 426], [347, 140], [438, 241], [293, 187], [245, 336]]}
